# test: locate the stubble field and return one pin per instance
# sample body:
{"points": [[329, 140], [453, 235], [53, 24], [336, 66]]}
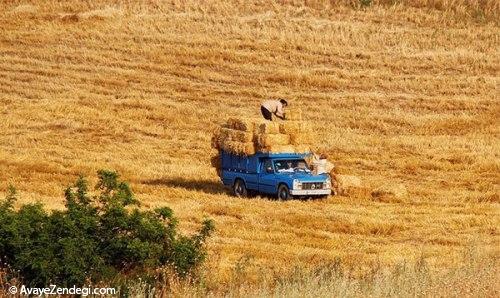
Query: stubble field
{"points": [[398, 95]]}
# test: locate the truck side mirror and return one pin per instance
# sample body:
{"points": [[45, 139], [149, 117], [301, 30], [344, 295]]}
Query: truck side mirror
{"points": [[269, 170]]}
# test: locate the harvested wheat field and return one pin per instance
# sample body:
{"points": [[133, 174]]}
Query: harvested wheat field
{"points": [[403, 98]]}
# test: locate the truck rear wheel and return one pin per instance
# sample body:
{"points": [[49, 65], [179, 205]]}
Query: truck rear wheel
{"points": [[239, 188], [283, 192]]}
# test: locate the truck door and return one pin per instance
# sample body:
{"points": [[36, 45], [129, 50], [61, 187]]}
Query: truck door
{"points": [[267, 177]]}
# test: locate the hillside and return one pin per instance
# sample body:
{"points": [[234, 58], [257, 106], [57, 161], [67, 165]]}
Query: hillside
{"points": [[397, 95]]}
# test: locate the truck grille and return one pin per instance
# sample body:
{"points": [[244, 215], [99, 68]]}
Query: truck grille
{"points": [[312, 185]]}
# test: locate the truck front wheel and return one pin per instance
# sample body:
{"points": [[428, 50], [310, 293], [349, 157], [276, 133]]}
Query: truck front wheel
{"points": [[283, 192], [239, 188]]}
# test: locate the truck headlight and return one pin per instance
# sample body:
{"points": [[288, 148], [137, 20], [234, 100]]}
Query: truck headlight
{"points": [[328, 183], [297, 184]]}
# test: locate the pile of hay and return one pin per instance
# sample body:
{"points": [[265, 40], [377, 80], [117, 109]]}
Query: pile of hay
{"points": [[247, 136], [344, 184]]}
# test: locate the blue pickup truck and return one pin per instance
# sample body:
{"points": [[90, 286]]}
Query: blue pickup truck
{"points": [[285, 175]]}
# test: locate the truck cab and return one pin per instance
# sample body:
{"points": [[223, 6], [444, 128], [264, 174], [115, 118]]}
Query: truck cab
{"points": [[284, 175]]}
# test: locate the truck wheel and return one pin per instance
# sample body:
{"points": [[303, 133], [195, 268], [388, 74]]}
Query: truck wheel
{"points": [[283, 192], [240, 189]]}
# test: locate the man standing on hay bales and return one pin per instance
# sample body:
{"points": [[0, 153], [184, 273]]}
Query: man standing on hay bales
{"points": [[276, 107]]}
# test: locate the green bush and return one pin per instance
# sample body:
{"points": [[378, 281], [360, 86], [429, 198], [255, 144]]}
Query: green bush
{"points": [[97, 238]]}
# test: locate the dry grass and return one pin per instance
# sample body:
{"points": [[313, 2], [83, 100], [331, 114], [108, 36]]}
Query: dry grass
{"points": [[396, 95], [473, 278], [293, 114]]}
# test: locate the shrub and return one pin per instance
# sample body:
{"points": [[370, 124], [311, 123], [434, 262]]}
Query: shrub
{"points": [[96, 238]]}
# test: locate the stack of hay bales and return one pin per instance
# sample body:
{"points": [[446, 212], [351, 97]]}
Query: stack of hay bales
{"points": [[247, 136], [236, 136]]}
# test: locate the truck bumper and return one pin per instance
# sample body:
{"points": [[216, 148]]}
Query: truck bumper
{"points": [[310, 192]]}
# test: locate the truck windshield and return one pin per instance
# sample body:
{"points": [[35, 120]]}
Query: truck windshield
{"points": [[291, 165]]}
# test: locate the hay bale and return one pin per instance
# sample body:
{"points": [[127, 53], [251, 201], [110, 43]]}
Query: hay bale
{"points": [[248, 148], [238, 148], [238, 135], [345, 184], [243, 124], [301, 138], [267, 127], [349, 181], [277, 149], [228, 134], [302, 148], [266, 140], [289, 127], [293, 114]]}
